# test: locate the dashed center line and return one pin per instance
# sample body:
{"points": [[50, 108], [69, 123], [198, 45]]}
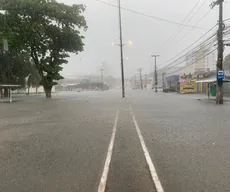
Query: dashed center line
{"points": [[104, 176], [151, 166]]}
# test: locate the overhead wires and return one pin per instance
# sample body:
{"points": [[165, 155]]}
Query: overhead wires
{"points": [[170, 60], [203, 47], [194, 26], [185, 21], [206, 46], [192, 62], [149, 16]]}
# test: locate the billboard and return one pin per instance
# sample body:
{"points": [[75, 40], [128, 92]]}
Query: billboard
{"points": [[188, 87]]}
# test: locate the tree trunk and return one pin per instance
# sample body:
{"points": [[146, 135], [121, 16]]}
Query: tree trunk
{"points": [[6, 93], [28, 91], [36, 89], [48, 91]]}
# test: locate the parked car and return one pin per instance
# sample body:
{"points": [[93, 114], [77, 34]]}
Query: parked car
{"points": [[170, 89]]}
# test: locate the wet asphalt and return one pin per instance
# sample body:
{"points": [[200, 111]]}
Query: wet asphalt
{"points": [[60, 145]]}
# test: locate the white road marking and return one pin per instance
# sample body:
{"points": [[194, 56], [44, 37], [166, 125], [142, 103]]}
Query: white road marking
{"points": [[152, 168], [104, 176]]}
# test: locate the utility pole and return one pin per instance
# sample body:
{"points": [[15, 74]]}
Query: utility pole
{"points": [[121, 50], [146, 77], [155, 71], [90, 82], [140, 70], [219, 66], [102, 79], [163, 80], [135, 82]]}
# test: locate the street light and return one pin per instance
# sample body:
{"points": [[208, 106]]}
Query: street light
{"points": [[129, 42], [121, 49], [121, 45]]}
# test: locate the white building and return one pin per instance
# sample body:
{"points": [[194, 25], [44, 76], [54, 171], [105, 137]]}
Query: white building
{"points": [[200, 61]]}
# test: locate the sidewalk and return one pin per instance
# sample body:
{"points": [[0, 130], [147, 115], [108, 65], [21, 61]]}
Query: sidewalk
{"points": [[203, 97], [21, 97]]}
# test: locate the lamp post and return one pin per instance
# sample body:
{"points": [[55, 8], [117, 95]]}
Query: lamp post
{"points": [[121, 50]]}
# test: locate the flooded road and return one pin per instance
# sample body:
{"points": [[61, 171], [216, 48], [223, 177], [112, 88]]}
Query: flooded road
{"points": [[145, 142]]}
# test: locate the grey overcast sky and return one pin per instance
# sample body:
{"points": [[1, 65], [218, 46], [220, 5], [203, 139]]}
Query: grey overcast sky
{"points": [[148, 34]]}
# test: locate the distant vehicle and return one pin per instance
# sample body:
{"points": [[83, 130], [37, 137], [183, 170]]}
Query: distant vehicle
{"points": [[79, 90], [170, 89]]}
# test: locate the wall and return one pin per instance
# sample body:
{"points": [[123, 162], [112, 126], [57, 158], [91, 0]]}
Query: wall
{"points": [[40, 89], [32, 90]]}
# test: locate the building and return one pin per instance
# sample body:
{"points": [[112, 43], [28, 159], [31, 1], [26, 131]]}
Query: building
{"points": [[200, 65], [65, 84], [200, 61]]}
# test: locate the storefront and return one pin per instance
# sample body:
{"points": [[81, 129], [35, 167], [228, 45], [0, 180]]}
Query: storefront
{"points": [[209, 86]]}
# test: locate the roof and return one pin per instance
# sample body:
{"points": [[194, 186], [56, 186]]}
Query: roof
{"points": [[9, 86], [211, 81]]}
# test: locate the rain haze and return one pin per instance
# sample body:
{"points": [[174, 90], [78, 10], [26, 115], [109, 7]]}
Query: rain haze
{"points": [[76, 123], [149, 35]]}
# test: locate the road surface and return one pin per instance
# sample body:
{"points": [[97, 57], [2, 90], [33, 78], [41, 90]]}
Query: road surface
{"points": [[86, 142]]}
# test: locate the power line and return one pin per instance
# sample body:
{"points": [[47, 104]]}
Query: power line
{"points": [[208, 43], [192, 52], [191, 45], [197, 10], [149, 16], [179, 28], [195, 25], [197, 51], [192, 63]]}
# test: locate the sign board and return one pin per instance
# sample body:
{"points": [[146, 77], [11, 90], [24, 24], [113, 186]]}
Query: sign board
{"points": [[220, 74], [188, 87]]}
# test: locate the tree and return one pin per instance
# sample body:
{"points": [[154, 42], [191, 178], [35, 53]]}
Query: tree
{"points": [[227, 63], [14, 68], [33, 79], [47, 30]]}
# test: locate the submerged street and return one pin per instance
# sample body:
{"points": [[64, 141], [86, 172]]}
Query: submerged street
{"points": [[97, 141]]}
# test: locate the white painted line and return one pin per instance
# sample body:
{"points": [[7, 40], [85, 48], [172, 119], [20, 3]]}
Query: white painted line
{"points": [[152, 168], [104, 176]]}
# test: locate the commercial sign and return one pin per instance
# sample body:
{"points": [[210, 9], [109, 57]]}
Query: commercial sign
{"points": [[220, 74], [188, 87]]}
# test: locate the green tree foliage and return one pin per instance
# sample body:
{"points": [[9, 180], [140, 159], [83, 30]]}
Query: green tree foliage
{"points": [[227, 63], [14, 68], [47, 30]]}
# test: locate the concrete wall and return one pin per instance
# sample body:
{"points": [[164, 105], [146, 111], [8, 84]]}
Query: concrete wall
{"points": [[40, 89]]}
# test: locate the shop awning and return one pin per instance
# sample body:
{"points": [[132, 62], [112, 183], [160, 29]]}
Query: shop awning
{"points": [[9, 86], [211, 81]]}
